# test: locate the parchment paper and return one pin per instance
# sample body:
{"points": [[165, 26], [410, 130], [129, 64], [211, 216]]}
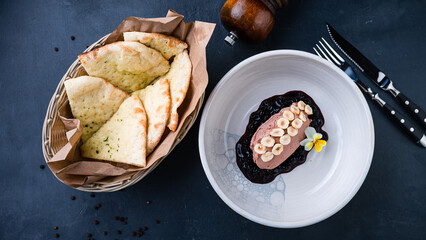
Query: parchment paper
{"points": [[71, 168]]}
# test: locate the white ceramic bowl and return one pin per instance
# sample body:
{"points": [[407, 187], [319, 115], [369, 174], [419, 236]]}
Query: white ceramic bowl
{"points": [[328, 180]]}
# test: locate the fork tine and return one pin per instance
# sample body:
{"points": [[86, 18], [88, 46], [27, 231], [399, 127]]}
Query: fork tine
{"points": [[324, 55], [331, 55], [321, 55], [332, 50], [317, 52]]}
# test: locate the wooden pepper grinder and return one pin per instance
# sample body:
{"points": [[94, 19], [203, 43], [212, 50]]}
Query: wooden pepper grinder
{"points": [[249, 20]]}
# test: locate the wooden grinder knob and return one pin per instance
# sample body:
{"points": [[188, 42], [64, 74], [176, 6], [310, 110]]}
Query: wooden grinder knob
{"points": [[249, 20]]}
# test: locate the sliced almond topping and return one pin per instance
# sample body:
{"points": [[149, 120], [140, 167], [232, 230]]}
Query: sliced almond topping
{"points": [[259, 148], [277, 149], [283, 123], [266, 157], [308, 110], [301, 105], [292, 131], [288, 115], [267, 141], [297, 123], [285, 140], [302, 116], [294, 109], [277, 132]]}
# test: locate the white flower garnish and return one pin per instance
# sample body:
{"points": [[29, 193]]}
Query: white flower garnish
{"points": [[313, 138]]}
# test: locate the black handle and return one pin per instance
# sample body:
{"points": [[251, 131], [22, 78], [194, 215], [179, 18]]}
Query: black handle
{"points": [[414, 110], [404, 123]]}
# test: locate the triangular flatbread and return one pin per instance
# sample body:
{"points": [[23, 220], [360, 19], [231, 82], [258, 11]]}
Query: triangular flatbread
{"points": [[167, 45], [93, 101], [122, 138], [179, 77], [156, 100], [128, 65]]}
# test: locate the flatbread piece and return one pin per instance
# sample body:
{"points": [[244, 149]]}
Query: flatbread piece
{"points": [[93, 101], [179, 77], [157, 102], [122, 138], [167, 45], [128, 65]]}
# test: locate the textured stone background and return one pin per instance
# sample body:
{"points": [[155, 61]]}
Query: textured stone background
{"points": [[389, 205]]}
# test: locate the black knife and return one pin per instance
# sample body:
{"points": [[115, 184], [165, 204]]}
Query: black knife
{"points": [[377, 76]]}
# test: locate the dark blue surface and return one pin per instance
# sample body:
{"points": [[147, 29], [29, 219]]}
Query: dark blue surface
{"points": [[389, 205]]}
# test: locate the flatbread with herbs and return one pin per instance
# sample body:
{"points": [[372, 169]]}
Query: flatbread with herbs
{"points": [[93, 101], [122, 138], [167, 45], [128, 65]]}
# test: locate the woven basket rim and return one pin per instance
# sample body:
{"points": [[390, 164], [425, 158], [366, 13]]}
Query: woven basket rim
{"points": [[58, 99]]}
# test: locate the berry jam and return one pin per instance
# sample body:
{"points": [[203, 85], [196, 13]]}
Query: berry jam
{"points": [[267, 108]]}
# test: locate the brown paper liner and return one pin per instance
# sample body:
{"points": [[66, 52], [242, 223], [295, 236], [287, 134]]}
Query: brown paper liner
{"points": [[75, 171]]}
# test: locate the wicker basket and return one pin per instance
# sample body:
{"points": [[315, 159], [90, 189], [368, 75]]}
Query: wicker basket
{"points": [[54, 139]]}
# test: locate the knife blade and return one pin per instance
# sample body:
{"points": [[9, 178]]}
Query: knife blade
{"points": [[377, 76]]}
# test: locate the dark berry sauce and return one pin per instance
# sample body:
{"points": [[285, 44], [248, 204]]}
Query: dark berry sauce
{"points": [[267, 108]]}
